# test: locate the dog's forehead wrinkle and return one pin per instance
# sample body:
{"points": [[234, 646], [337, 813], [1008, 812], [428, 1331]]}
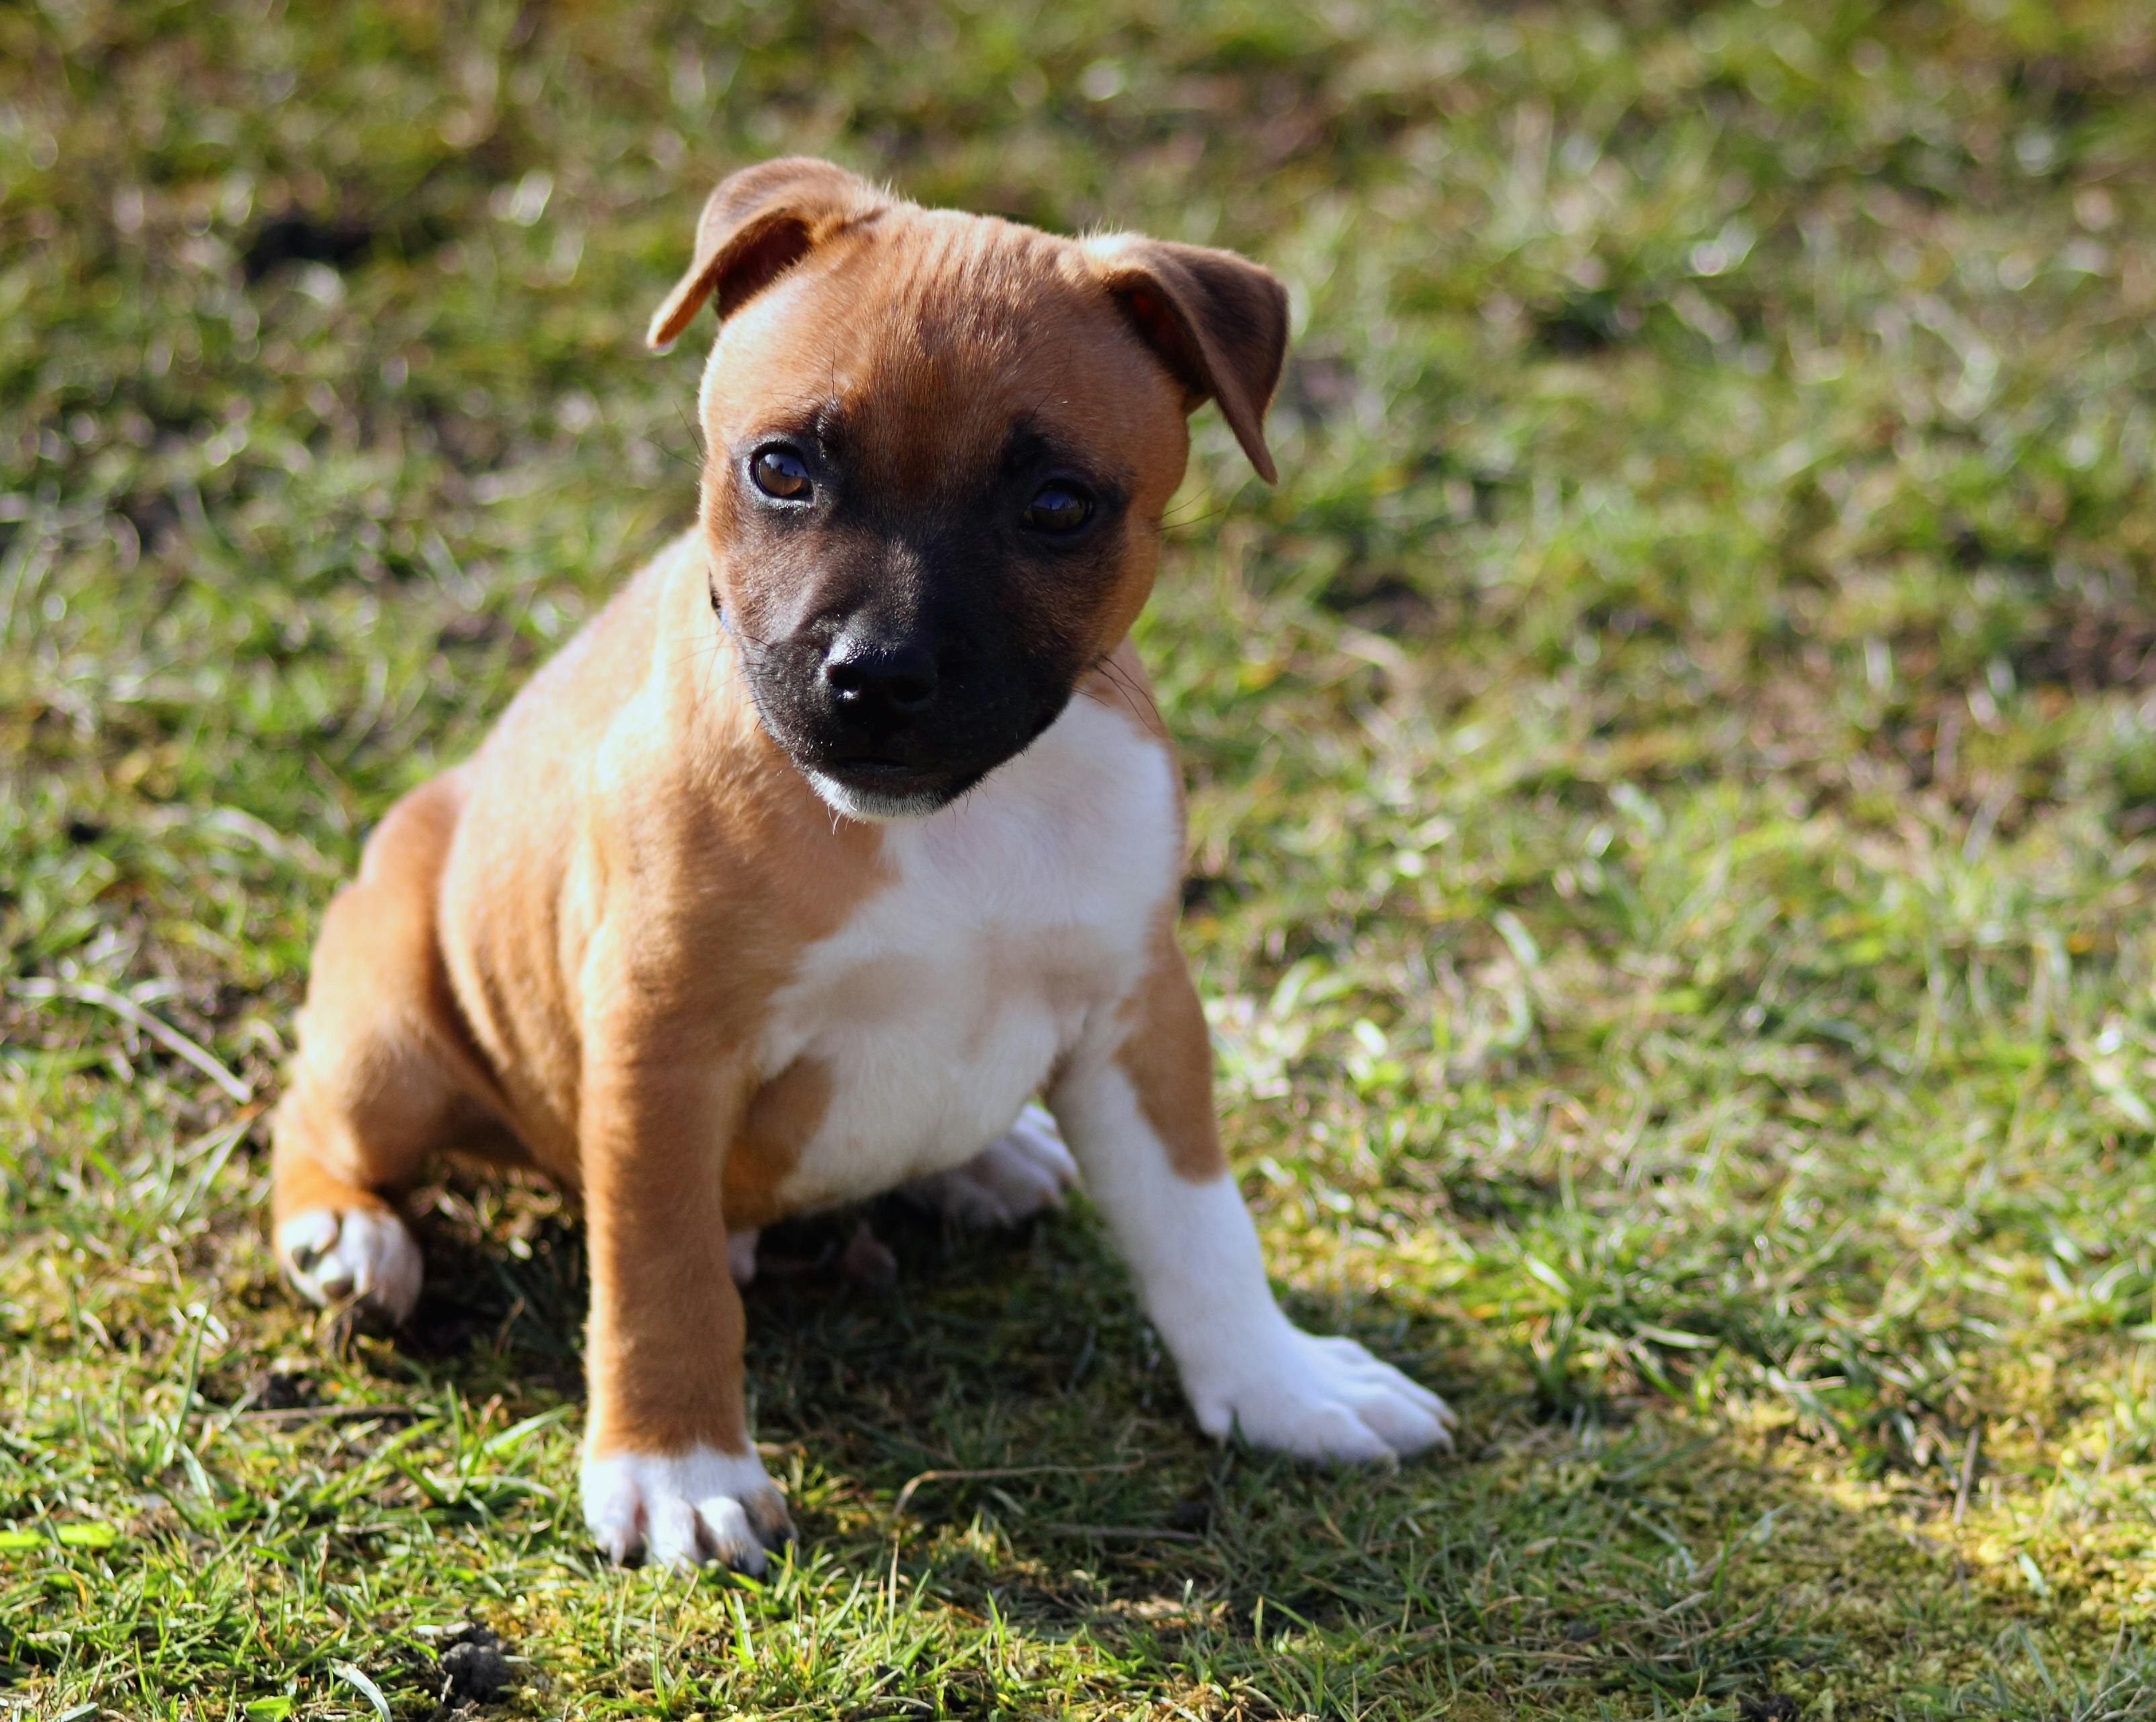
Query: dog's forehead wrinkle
{"points": [[1031, 446], [984, 291], [937, 338]]}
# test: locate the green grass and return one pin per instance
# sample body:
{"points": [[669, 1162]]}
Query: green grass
{"points": [[1674, 773]]}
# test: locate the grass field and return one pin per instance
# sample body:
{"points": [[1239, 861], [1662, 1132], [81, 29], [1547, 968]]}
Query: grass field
{"points": [[1674, 777]]}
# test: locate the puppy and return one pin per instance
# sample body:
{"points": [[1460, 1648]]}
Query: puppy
{"points": [[843, 832]]}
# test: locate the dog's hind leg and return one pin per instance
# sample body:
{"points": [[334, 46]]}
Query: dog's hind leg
{"points": [[382, 1077], [1023, 1172]]}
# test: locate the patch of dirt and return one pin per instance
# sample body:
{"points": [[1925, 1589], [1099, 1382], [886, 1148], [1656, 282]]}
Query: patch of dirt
{"points": [[473, 1667], [282, 1389], [1581, 324], [2090, 652], [1380, 603]]}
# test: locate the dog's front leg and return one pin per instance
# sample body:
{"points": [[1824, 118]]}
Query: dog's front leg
{"points": [[1135, 1106], [668, 1468]]}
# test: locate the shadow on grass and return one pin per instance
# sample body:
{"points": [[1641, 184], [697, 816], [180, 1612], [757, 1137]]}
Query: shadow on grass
{"points": [[999, 1429]]}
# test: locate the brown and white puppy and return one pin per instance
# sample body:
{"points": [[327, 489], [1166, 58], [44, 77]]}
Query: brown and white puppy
{"points": [[843, 832]]}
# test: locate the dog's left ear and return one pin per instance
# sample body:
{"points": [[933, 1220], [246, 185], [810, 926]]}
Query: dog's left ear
{"points": [[1218, 320], [756, 225]]}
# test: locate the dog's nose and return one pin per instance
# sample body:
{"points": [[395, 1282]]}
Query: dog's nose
{"points": [[864, 676]]}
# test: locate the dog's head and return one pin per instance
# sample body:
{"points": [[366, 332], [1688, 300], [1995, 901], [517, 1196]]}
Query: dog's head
{"points": [[938, 449]]}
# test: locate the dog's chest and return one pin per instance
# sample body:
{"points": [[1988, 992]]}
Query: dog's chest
{"points": [[1011, 919]]}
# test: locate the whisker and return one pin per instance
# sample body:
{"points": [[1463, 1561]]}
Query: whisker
{"points": [[1120, 678], [1168, 527], [695, 436]]}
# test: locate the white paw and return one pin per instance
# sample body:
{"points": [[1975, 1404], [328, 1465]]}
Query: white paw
{"points": [[681, 1512], [1022, 1173], [360, 1254], [1318, 1399], [741, 1254]]}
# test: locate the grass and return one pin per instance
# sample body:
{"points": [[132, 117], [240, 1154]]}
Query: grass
{"points": [[1674, 774]]}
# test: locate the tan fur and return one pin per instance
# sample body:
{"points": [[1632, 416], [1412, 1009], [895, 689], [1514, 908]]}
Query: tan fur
{"points": [[1168, 1051], [386, 1071], [1167, 1055], [781, 1118], [566, 948]]}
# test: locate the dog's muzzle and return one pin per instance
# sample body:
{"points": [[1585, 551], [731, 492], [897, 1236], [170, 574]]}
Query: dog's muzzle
{"points": [[887, 726]]}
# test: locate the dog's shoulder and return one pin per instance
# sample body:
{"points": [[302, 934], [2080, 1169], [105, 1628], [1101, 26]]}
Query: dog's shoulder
{"points": [[584, 690]]}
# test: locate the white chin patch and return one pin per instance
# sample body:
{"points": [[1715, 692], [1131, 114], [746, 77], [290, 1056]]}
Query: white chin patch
{"points": [[868, 806]]}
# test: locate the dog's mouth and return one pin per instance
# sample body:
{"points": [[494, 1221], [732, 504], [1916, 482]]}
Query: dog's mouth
{"points": [[882, 784], [872, 775], [891, 774], [875, 789], [893, 764]]}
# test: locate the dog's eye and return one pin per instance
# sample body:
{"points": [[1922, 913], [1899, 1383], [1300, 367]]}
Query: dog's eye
{"points": [[780, 473], [1058, 510]]}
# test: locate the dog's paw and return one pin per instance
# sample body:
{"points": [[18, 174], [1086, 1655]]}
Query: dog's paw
{"points": [[362, 1255], [1023, 1172], [1318, 1398], [741, 1254], [681, 1512]]}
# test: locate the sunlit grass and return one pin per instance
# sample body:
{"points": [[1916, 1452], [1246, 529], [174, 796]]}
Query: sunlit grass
{"points": [[1673, 780]]}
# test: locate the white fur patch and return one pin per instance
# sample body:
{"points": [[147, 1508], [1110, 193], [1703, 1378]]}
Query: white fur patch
{"points": [[1194, 1253], [682, 1510], [361, 1255], [1013, 916], [865, 804], [1318, 1398], [1023, 1172]]}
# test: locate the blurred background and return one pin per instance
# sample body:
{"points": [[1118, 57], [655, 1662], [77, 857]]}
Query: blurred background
{"points": [[1673, 770]]}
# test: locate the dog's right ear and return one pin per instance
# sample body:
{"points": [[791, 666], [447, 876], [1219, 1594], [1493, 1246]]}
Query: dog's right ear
{"points": [[756, 225]]}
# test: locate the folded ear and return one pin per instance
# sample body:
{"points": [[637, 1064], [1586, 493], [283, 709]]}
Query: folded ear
{"points": [[1218, 320], [757, 224]]}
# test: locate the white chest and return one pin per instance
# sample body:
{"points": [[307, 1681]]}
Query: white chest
{"points": [[1011, 918]]}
